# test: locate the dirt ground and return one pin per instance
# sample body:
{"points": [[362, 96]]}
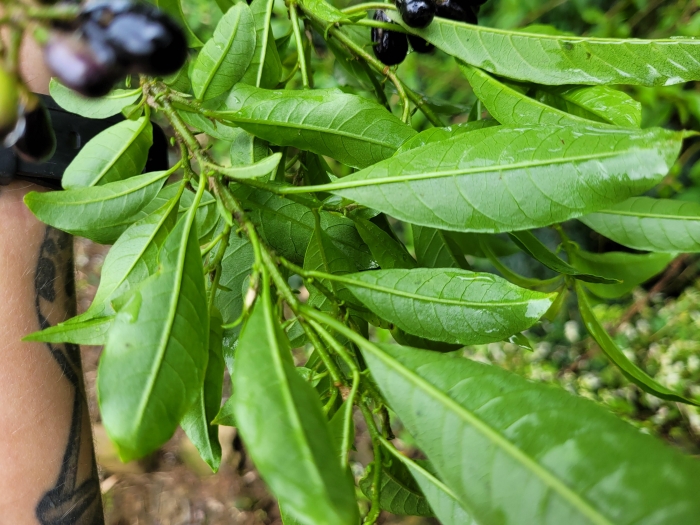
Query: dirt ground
{"points": [[174, 486]]}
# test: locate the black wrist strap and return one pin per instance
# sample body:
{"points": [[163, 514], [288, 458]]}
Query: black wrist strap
{"points": [[72, 133]]}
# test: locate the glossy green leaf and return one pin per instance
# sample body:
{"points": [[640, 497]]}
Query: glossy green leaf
{"points": [[265, 69], [91, 212], [288, 227], [511, 107], [398, 491], [531, 245], [224, 58], [436, 249], [386, 250], [282, 424], [216, 129], [602, 103], [489, 433], [117, 153], [236, 265], [631, 269], [252, 171], [153, 365], [655, 225], [631, 371], [556, 59], [197, 421], [430, 135], [90, 332], [174, 9], [351, 129], [450, 305], [98, 108], [506, 179]]}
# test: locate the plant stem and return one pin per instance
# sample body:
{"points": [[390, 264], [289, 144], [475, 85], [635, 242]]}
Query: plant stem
{"points": [[301, 55], [388, 26], [368, 6]]}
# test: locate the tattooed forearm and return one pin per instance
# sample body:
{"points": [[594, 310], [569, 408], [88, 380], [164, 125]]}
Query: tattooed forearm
{"points": [[72, 500]]}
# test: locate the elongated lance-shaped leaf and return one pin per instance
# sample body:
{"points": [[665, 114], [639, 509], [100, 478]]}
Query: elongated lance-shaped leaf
{"points": [[490, 434], [435, 249], [153, 364], [602, 103], [252, 171], [92, 212], [398, 491], [631, 269], [288, 227], [235, 268], [174, 9], [265, 68], [282, 424], [511, 107], [197, 422], [224, 58], [655, 225], [386, 250], [98, 108], [450, 305], [507, 179], [116, 153], [78, 332], [556, 59], [534, 247], [349, 128], [631, 371]]}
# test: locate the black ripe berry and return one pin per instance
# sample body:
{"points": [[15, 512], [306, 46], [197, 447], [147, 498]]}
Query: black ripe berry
{"points": [[145, 39], [420, 45], [36, 141], [457, 10], [416, 13], [89, 67], [390, 47]]}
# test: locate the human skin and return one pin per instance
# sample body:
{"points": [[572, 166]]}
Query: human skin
{"points": [[47, 465]]}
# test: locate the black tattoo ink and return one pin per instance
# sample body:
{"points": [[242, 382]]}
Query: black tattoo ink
{"points": [[67, 503]]}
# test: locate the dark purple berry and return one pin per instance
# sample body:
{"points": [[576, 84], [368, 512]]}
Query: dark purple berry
{"points": [[456, 10], [36, 141], [420, 45], [390, 47], [145, 39], [88, 67], [416, 13]]}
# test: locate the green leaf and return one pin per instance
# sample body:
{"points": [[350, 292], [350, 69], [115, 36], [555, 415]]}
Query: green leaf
{"points": [[288, 227], [435, 249], [213, 128], [601, 103], [398, 491], [282, 424], [174, 9], [91, 212], [252, 171], [197, 421], [386, 250], [90, 332], [97, 108], [351, 129], [488, 433], [556, 60], [630, 268], [431, 135], [505, 179], [265, 69], [631, 371], [655, 225], [454, 306], [224, 58], [511, 107], [117, 153], [153, 365], [236, 266], [406, 339], [535, 248]]}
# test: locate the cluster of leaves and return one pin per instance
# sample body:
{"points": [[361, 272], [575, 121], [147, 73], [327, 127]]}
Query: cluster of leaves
{"points": [[198, 278]]}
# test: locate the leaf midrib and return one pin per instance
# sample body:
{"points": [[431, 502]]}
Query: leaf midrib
{"points": [[494, 436], [266, 35], [645, 215]]}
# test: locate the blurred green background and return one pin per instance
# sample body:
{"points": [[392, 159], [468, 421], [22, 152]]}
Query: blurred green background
{"points": [[657, 326]]}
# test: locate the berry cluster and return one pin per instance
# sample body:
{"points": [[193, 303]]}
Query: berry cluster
{"points": [[391, 47], [111, 39]]}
